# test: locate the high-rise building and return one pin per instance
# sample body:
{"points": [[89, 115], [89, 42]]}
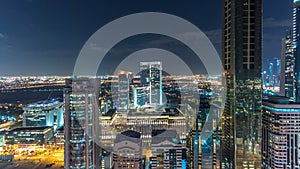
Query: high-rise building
{"points": [[123, 90], [271, 74], [81, 97], [296, 40], [108, 93], [277, 72], [140, 96], [280, 133], [242, 57], [151, 76], [288, 65], [205, 153], [167, 151], [278, 66]]}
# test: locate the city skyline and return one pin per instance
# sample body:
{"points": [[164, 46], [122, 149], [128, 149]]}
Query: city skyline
{"points": [[197, 85]]}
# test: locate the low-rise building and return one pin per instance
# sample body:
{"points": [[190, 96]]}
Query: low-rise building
{"points": [[127, 151], [28, 135], [44, 113]]}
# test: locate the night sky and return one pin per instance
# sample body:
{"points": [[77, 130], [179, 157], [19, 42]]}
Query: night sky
{"points": [[39, 37]]}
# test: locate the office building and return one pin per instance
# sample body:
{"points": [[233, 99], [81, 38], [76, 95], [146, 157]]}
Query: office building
{"points": [[23, 136], [109, 93], [271, 74], [44, 113], [277, 72], [242, 57], [140, 95], [127, 151], [123, 90], [167, 151], [143, 122], [81, 97], [278, 66], [106, 160], [151, 76], [296, 40], [280, 133], [205, 153], [59, 136], [288, 66]]}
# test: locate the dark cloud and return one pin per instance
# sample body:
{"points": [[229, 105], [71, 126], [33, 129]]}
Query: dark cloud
{"points": [[2, 36], [214, 35], [272, 22]]}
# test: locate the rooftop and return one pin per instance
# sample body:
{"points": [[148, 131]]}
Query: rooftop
{"points": [[159, 136], [42, 128], [280, 102], [128, 135], [45, 104], [165, 112]]}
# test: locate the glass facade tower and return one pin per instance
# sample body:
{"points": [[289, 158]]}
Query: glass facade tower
{"points": [[82, 123], [296, 40], [288, 64], [151, 75], [123, 90], [242, 57]]}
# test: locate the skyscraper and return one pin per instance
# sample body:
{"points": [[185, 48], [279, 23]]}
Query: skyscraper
{"points": [[81, 123], [296, 40], [140, 96], [167, 151], [271, 74], [280, 133], [242, 56], [277, 72], [204, 153], [151, 75], [278, 66], [123, 90], [288, 65]]}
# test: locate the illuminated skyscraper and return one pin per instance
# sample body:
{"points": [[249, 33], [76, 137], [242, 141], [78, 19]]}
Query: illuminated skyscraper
{"points": [[151, 75], [296, 40], [277, 72], [167, 151], [123, 90], [271, 74], [242, 57], [205, 153], [82, 123], [278, 65], [140, 96], [288, 65], [280, 133]]}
